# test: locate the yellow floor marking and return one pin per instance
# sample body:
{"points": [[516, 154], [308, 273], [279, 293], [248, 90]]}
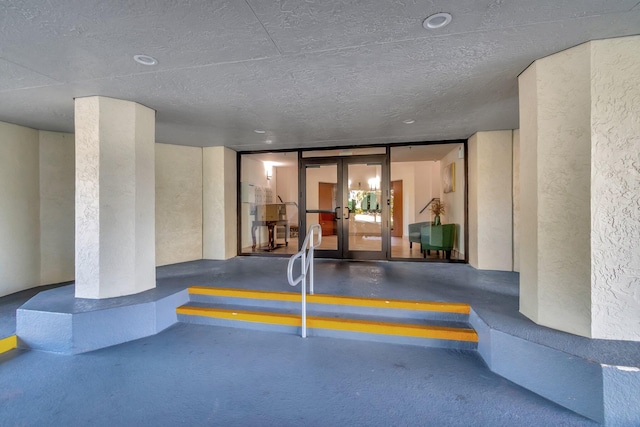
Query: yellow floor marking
{"points": [[8, 343], [355, 325], [449, 307]]}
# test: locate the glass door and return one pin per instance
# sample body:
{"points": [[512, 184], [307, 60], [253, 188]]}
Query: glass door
{"points": [[349, 198]]}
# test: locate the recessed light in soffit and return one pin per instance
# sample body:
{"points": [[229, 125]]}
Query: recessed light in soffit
{"points": [[259, 131], [437, 20], [408, 121], [145, 59]]}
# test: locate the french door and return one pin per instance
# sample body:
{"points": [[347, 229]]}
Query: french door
{"points": [[349, 198]]}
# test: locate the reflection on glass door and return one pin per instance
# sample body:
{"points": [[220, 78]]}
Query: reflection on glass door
{"points": [[321, 202], [346, 196], [365, 210]]}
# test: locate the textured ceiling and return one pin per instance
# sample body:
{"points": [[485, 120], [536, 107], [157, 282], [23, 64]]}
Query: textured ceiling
{"points": [[312, 73]]}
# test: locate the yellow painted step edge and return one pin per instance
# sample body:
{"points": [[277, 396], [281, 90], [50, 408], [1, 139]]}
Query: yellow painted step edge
{"points": [[449, 307], [354, 325], [8, 343]]}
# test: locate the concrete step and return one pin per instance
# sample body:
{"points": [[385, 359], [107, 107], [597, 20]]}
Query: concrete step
{"points": [[323, 303], [390, 321]]}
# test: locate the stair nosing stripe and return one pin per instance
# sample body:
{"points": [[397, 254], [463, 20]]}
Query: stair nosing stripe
{"points": [[439, 306], [354, 325]]}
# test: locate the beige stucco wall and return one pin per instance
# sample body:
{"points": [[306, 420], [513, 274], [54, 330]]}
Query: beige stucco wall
{"points": [[19, 209], [454, 201], [115, 197], [579, 130], [516, 200], [528, 248], [57, 207], [490, 200], [556, 177], [178, 203], [219, 203], [615, 188]]}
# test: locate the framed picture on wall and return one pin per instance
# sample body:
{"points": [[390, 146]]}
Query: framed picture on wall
{"points": [[449, 178]]}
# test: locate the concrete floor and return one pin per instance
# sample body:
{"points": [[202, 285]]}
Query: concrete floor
{"points": [[201, 375]]}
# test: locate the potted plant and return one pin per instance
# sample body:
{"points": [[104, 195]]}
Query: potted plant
{"points": [[437, 208]]}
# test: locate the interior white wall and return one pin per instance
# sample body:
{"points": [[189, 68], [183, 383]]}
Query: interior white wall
{"points": [[287, 189], [219, 203], [178, 203], [253, 174], [490, 200], [427, 185], [615, 188], [19, 208], [57, 207], [454, 201], [405, 172]]}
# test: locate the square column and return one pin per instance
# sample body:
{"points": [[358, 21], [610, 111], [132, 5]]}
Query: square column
{"points": [[490, 200], [115, 198], [219, 203], [580, 190]]}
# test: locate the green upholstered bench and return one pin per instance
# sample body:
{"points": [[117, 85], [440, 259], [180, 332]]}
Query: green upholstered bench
{"points": [[415, 232], [438, 238]]}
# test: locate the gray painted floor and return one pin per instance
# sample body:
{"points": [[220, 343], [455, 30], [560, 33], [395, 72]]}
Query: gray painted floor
{"points": [[201, 375]]}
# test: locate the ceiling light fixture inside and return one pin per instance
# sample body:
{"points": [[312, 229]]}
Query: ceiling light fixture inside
{"points": [[145, 59], [408, 121], [437, 20]]}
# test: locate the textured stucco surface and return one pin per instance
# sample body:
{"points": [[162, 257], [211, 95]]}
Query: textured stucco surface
{"points": [[563, 190], [115, 198], [57, 207], [178, 203], [19, 209], [490, 166], [528, 193], [219, 203], [579, 245], [615, 188], [472, 206], [516, 200]]}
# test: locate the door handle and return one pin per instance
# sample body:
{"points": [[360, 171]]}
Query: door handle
{"points": [[348, 213], [335, 214]]}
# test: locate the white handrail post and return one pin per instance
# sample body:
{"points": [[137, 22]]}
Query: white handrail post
{"points": [[311, 266], [304, 297]]}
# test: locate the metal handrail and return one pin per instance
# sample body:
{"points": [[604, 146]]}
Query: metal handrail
{"points": [[306, 265], [430, 201]]}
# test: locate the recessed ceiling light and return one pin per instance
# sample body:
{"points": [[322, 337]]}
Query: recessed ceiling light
{"points": [[259, 131], [408, 121], [437, 20], [145, 59]]}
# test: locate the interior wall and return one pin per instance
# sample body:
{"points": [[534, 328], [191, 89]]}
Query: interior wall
{"points": [[20, 208], [178, 203], [427, 185], [287, 189], [405, 172], [454, 201], [57, 207], [254, 179]]}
